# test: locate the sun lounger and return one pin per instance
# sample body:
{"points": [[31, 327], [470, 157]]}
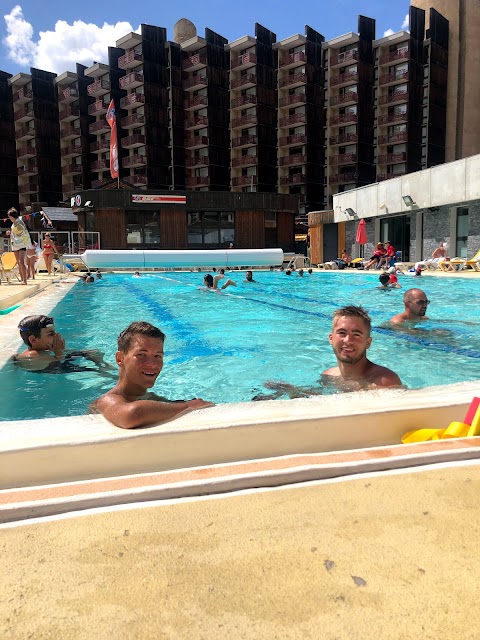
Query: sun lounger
{"points": [[457, 264], [9, 266]]}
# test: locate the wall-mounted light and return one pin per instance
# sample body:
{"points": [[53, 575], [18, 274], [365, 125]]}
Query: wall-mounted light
{"points": [[408, 201], [382, 206], [89, 204], [350, 212]]}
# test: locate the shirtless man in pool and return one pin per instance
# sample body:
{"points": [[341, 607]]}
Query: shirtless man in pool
{"points": [[415, 302]]}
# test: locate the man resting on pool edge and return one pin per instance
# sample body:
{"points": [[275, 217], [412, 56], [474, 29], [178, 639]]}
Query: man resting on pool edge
{"points": [[140, 361]]}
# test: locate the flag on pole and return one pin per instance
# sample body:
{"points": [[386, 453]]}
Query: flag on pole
{"points": [[112, 121]]}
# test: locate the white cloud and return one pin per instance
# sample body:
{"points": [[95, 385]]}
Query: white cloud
{"points": [[404, 27], [59, 50], [406, 22], [388, 32]]}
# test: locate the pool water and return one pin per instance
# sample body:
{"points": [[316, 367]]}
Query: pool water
{"points": [[224, 346]]}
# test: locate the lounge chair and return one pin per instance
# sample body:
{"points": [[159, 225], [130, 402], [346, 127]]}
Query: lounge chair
{"points": [[457, 264], [9, 266]]}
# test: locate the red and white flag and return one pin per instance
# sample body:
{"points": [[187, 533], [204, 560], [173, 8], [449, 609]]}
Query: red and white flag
{"points": [[112, 121]]}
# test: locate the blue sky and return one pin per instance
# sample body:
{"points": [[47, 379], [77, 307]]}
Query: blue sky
{"points": [[54, 34]]}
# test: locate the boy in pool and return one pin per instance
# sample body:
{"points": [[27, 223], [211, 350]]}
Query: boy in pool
{"points": [[140, 361], [45, 350]]}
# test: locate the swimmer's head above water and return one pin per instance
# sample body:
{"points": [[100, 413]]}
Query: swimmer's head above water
{"points": [[33, 326]]}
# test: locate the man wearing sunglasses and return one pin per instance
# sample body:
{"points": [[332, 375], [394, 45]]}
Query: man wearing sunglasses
{"points": [[416, 303]]}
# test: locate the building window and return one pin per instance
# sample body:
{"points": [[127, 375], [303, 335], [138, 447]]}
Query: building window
{"points": [[461, 248], [142, 228], [211, 228]]}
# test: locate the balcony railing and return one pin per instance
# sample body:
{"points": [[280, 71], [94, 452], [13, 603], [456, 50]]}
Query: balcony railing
{"points": [[136, 140], [136, 181], [197, 181], [71, 150], [343, 58], [100, 165], [72, 187], [131, 80], [393, 117], [24, 114], [22, 95], [30, 187], [243, 121], [296, 118], [295, 98], [197, 161], [130, 59], [349, 77], [297, 138], [248, 80], [295, 178], [294, 79], [134, 120], [294, 159], [71, 168], [292, 59], [195, 83], [242, 101], [134, 161], [132, 100], [344, 98], [244, 181], [196, 142], [393, 137], [392, 158], [244, 141], [194, 62], [100, 183], [196, 101], [101, 126], [343, 118], [68, 95], [69, 113], [28, 169], [343, 138], [395, 96], [99, 87], [244, 161], [244, 61], [388, 176], [391, 56], [101, 145], [26, 151], [341, 178], [343, 158], [24, 133], [390, 78], [69, 131], [98, 107], [196, 122]]}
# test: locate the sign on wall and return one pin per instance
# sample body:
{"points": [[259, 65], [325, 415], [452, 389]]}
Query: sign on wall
{"points": [[153, 199]]}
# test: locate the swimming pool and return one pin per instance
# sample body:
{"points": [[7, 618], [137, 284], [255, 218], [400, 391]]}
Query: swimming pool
{"points": [[223, 347]]}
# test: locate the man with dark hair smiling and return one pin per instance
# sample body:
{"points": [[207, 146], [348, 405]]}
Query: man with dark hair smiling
{"points": [[140, 361]]}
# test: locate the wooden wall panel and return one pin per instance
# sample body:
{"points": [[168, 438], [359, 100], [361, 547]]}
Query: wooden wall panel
{"points": [[286, 231], [173, 229], [111, 224], [250, 230], [341, 238]]}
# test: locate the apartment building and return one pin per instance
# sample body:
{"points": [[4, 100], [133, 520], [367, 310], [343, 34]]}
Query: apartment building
{"points": [[8, 151]]}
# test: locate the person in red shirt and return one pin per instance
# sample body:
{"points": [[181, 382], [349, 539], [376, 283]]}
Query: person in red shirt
{"points": [[389, 258], [379, 252]]}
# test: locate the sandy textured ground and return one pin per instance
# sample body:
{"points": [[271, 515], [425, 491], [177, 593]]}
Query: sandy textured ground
{"points": [[390, 557]]}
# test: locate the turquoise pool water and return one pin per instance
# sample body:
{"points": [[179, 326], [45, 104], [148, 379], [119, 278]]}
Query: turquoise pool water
{"points": [[223, 347]]}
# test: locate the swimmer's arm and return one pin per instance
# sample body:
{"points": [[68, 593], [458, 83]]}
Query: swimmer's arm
{"points": [[35, 361], [141, 413]]}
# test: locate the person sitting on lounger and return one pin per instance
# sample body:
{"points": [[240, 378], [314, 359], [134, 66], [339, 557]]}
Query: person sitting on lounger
{"points": [[379, 252]]}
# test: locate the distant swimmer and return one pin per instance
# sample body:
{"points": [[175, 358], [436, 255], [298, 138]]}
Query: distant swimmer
{"points": [[249, 277], [415, 302], [136, 274], [212, 282]]}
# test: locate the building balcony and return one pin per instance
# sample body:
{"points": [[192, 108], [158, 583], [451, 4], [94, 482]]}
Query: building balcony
{"points": [[196, 142], [244, 121], [387, 176], [245, 81], [195, 102], [244, 141], [96, 184], [393, 56], [70, 169], [294, 178], [195, 62], [30, 187], [26, 151], [99, 87], [344, 118], [71, 151], [293, 80], [243, 101], [292, 60], [343, 158], [70, 94], [72, 187], [349, 77], [344, 57], [351, 97], [197, 82], [22, 95], [296, 118], [295, 98], [244, 61], [101, 126], [101, 165], [69, 131], [343, 138], [393, 137], [134, 161], [69, 113], [343, 178], [392, 158], [136, 181], [133, 121], [245, 161], [99, 107], [28, 169], [297, 138], [24, 114], [130, 60], [244, 181], [197, 122], [292, 160], [395, 96], [391, 78], [135, 140], [100, 147], [25, 133], [131, 80], [197, 181], [392, 117], [197, 161], [131, 101]]}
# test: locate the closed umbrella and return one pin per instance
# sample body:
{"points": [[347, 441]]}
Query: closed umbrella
{"points": [[361, 237]]}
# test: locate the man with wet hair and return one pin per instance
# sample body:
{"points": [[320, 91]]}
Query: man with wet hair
{"points": [[415, 302], [140, 361], [46, 353]]}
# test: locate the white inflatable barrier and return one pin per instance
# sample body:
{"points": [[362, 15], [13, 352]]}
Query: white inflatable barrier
{"points": [[145, 259]]}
